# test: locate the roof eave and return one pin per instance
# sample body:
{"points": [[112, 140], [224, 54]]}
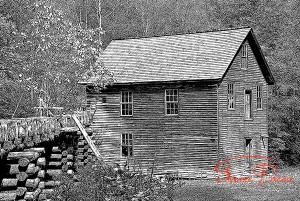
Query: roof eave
{"points": [[198, 81], [269, 77]]}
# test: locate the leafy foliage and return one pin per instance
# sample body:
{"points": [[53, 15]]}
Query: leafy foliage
{"points": [[95, 182], [47, 59]]}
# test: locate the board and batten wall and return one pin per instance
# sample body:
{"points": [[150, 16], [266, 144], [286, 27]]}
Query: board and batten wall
{"points": [[184, 142], [234, 129]]}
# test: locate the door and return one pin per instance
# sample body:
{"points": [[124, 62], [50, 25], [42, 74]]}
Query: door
{"points": [[248, 152]]}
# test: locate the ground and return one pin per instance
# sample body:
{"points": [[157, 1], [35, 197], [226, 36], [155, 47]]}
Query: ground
{"points": [[198, 190]]}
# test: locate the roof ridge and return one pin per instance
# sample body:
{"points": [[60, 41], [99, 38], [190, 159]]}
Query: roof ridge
{"points": [[179, 34]]}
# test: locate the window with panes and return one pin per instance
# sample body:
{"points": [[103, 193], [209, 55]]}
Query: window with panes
{"points": [[231, 96], [244, 56], [126, 103], [171, 102], [259, 97], [127, 144]]}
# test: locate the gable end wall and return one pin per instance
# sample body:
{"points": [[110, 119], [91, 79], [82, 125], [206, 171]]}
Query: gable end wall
{"points": [[234, 129]]}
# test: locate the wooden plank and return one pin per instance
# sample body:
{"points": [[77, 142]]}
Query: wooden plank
{"points": [[9, 182], [87, 138], [31, 155], [36, 149], [8, 196]]}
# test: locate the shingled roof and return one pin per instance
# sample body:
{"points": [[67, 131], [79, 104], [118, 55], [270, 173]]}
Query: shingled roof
{"points": [[189, 57]]}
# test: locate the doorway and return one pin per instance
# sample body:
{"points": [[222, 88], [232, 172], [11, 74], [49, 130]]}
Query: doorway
{"points": [[248, 151]]}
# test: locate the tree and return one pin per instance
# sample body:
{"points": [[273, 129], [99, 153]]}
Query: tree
{"points": [[47, 58]]}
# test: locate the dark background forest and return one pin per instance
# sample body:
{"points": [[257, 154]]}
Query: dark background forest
{"points": [[47, 46]]}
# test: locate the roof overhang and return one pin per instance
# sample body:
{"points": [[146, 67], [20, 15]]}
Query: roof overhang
{"points": [[201, 82]]}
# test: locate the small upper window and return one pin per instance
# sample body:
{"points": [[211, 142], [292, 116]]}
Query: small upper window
{"points": [[259, 97], [171, 101], [231, 96], [244, 56], [126, 103]]}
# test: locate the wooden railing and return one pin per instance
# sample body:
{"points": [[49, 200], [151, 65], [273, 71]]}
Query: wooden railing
{"points": [[25, 132]]}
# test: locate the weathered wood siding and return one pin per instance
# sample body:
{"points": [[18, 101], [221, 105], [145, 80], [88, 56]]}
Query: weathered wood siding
{"points": [[233, 126], [184, 142]]}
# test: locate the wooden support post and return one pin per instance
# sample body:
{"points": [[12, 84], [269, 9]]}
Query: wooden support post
{"points": [[8, 145], [56, 150], [55, 156], [87, 138], [36, 149], [22, 176], [8, 196], [41, 174], [54, 163], [9, 182], [41, 185], [32, 183], [21, 191], [70, 157], [64, 160], [52, 183], [53, 173], [41, 162], [64, 168], [14, 169], [45, 194], [32, 169], [23, 162], [32, 195], [64, 153], [18, 155]]}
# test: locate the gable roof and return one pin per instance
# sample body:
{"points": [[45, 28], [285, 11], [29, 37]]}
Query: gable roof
{"points": [[190, 57]]}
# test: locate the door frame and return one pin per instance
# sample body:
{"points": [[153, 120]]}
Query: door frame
{"points": [[248, 150]]}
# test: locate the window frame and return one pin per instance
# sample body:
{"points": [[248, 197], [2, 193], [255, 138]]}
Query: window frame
{"points": [[244, 56], [259, 96], [250, 104], [127, 144], [231, 95], [126, 103], [172, 102]]}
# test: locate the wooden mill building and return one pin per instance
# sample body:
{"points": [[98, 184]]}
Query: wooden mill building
{"points": [[184, 102]]}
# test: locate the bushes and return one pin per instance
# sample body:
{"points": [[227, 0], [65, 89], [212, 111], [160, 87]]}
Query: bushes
{"points": [[95, 182]]}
